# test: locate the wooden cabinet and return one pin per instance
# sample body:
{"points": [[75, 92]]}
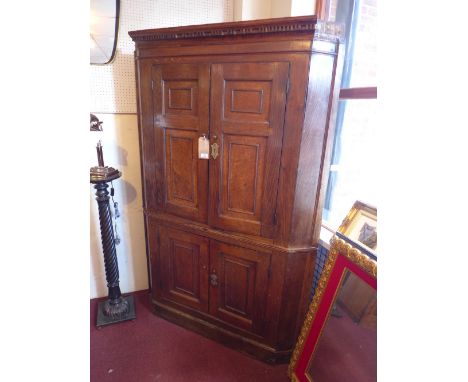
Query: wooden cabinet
{"points": [[228, 281], [180, 95], [183, 270], [247, 117], [232, 238], [239, 283]]}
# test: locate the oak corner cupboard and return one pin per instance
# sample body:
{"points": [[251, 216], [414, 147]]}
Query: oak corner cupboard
{"points": [[232, 232]]}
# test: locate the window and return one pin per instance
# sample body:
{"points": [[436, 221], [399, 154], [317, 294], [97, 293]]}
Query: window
{"points": [[353, 163]]}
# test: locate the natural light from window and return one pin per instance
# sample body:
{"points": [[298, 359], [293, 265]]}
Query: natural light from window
{"points": [[354, 160]]}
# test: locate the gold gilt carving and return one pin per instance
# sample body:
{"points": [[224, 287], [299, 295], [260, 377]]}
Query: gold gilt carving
{"points": [[337, 247], [357, 206]]}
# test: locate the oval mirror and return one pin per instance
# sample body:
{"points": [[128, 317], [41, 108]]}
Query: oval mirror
{"points": [[104, 26]]}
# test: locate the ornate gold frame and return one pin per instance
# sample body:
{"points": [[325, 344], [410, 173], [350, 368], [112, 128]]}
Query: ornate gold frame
{"points": [[358, 211], [357, 206], [337, 247]]}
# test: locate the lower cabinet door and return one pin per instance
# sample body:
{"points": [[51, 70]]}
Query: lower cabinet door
{"points": [[238, 285], [184, 268]]}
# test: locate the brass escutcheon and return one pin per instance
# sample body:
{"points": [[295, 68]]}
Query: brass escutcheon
{"points": [[214, 150]]}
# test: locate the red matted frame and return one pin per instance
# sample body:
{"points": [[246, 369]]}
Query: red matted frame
{"points": [[342, 256]]}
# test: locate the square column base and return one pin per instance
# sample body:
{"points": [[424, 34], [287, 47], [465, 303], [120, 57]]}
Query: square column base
{"points": [[103, 320]]}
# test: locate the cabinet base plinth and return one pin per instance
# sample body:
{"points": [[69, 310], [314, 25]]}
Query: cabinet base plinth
{"points": [[235, 341]]}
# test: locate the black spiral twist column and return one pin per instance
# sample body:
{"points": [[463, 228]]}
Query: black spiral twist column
{"points": [[116, 308]]}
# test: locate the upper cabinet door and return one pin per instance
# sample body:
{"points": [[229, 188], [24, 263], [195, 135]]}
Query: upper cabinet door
{"points": [[181, 113], [247, 115]]}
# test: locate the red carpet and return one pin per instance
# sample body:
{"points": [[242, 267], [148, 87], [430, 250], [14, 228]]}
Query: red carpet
{"points": [[152, 349]]}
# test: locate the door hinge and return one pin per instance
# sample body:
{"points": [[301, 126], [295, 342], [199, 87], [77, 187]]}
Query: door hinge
{"points": [[152, 84], [274, 217]]}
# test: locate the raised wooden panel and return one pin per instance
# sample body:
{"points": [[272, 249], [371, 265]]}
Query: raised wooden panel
{"points": [[238, 286], [247, 101], [186, 176], [244, 163], [247, 116], [181, 168], [184, 268], [180, 97], [239, 297]]}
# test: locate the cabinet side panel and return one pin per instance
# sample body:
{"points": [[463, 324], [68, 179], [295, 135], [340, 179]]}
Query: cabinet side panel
{"points": [[141, 119], [318, 133], [290, 320], [293, 120], [146, 130], [313, 149]]}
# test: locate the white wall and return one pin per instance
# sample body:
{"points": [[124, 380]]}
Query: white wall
{"points": [[280, 8], [113, 100], [256, 9], [302, 7], [263, 9]]}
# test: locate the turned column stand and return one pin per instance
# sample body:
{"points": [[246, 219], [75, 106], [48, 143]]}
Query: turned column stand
{"points": [[116, 308]]}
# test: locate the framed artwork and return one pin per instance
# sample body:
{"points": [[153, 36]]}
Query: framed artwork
{"points": [[360, 226], [338, 340]]}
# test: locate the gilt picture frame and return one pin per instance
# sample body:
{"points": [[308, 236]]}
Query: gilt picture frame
{"points": [[344, 260], [360, 227]]}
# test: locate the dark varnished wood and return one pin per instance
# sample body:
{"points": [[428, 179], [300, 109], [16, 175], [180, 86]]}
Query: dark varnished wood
{"points": [[247, 116], [216, 331], [313, 139], [283, 26], [116, 308], [239, 297], [140, 89], [180, 113], [247, 241], [333, 89], [183, 270], [262, 91], [358, 93]]}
